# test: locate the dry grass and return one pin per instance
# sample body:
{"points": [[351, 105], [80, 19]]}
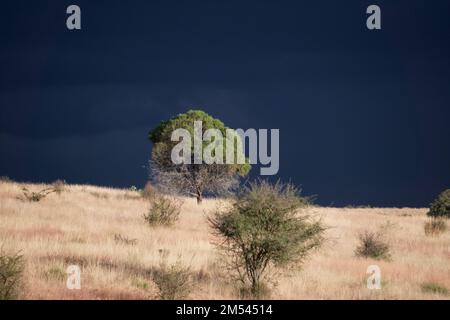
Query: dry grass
{"points": [[79, 226]]}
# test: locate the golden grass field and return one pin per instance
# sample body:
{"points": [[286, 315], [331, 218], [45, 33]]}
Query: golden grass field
{"points": [[78, 227]]}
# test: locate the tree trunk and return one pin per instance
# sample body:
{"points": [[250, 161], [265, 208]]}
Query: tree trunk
{"points": [[199, 198]]}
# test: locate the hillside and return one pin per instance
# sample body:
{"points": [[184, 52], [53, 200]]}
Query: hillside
{"points": [[82, 225]]}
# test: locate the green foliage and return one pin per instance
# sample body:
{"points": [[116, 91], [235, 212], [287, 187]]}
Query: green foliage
{"points": [[173, 281], [431, 287], [161, 135], [11, 267], [194, 179], [372, 245], [164, 210], [435, 226], [140, 284], [55, 273], [361, 206], [441, 206], [263, 228]]}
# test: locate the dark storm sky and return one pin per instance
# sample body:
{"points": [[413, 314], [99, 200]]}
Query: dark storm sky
{"points": [[363, 115]]}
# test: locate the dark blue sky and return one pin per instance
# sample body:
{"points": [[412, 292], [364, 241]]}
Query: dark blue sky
{"points": [[363, 115]]}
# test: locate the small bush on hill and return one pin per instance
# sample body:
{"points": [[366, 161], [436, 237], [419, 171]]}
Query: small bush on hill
{"points": [[262, 230], [372, 245], [59, 186], [36, 196], [431, 287], [441, 206], [11, 267], [173, 281], [164, 210]]}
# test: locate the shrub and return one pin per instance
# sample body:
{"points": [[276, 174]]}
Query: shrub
{"points": [[11, 267], [149, 191], [441, 206], [59, 186], [372, 245], [164, 210], [173, 281], [434, 288], [36, 196], [435, 226], [263, 229]]}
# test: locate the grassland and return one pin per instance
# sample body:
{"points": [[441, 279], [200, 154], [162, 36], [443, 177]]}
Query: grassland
{"points": [[83, 225]]}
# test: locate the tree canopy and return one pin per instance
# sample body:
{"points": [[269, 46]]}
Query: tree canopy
{"points": [[196, 178]]}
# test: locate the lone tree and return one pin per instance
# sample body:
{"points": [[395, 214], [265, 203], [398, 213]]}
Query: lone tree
{"points": [[197, 177], [440, 207], [263, 228]]}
